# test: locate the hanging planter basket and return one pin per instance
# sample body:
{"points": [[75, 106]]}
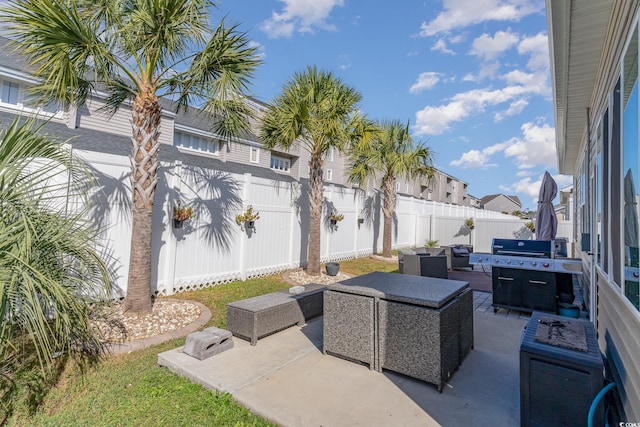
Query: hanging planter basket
{"points": [[177, 223]]}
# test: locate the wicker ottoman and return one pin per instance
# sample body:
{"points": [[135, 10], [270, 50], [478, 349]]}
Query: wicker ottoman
{"points": [[418, 341], [257, 317]]}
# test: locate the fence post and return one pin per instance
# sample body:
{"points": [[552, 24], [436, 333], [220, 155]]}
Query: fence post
{"points": [[243, 255], [292, 223], [356, 196], [329, 194], [433, 226], [172, 241]]}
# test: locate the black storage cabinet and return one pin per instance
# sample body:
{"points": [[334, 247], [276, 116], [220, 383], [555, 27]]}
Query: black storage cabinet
{"points": [[524, 290], [557, 384]]}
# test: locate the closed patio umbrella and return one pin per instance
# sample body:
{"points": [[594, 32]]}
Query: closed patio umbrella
{"points": [[630, 212], [546, 220]]}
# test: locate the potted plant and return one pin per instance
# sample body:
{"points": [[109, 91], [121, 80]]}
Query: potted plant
{"points": [[531, 226], [248, 218], [334, 218], [181, 214], [431, 244], [332, 268], [469, 223]]}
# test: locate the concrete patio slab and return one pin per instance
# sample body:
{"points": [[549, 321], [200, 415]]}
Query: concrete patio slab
{"points": [[287, 379]]}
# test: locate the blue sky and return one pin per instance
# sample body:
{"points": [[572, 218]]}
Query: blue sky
{"points": [[471, 76]]}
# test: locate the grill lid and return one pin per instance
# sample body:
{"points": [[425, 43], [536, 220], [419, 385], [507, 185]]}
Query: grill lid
{"points": [[528, 248]]}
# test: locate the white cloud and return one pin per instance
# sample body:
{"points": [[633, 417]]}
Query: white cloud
{"points": [[469, 78], [300, 15], [488, 70], [346, 61], [536, 147], [462, 13], [425, 82], [532, 188], [434, 120], [515, 108], [538, 48], [473, 159], [524, 186], [441, 46], [260, 51], [489, 48]]}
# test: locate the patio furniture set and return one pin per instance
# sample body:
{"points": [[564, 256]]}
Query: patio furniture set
{"points": [[418, 326]]}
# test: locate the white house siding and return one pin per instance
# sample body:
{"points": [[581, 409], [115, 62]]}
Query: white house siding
{"points": [[588, 46], [237, 153], [91, 117], [618, 323], [619, 339]]}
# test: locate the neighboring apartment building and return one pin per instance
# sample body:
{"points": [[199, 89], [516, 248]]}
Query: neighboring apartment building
{"points": [[594, 47], [474, 201], [442, 188], [192, 141], [501, 203]]}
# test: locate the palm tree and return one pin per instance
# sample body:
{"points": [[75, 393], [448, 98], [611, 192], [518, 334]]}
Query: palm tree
{"points": [[318, 111], [137, 50], [50, 271], [392, 154]]}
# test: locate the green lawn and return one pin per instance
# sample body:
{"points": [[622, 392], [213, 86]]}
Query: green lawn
{"points": [[132, 390]]}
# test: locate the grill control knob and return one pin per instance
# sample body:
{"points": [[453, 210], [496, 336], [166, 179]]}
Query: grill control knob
{"points": [[534, 263], [545, 264], [508, 261], [521, 262]]}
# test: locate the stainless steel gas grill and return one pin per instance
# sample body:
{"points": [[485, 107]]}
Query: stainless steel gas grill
{"points": [[528, 275]]}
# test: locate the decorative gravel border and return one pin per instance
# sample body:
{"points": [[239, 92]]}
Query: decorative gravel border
{"points": [[142, 343]]}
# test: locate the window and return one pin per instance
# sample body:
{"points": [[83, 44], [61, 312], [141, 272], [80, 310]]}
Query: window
{"points": [[330, 154], [602, 146], [630, 187], [195, 142], [280, 163], [397, 187], [329, 175], [10, 92], [16, 95], [254, 154]]}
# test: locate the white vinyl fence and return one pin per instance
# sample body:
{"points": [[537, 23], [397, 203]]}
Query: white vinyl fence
{"points": [[212, 248]]}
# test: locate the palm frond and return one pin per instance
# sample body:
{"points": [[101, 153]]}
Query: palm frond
{"points": [[49, 267], [62, 45]]}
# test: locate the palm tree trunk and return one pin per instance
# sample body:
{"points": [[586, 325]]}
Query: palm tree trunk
{"points": [[145, 123], [388, 207], [315, 214]]}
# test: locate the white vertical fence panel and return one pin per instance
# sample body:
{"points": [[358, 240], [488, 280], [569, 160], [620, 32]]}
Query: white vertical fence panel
{"points": [[111, 209], [212, 248]]}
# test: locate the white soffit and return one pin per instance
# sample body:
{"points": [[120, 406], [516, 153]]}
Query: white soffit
{"points": [[577, 31]]}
